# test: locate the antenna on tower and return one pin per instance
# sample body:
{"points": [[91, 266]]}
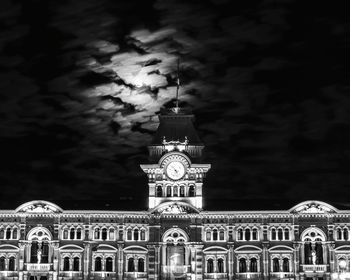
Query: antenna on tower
{"points": [[177, 86]]}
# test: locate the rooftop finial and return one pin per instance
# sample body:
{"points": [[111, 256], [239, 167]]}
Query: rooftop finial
{"points": [[177, 86]]}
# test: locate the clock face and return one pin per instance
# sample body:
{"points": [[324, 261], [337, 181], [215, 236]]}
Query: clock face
{"points": [[175, 170]]}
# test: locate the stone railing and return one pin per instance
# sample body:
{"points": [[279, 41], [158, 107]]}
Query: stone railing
{"points": [[135, 275], [215, 275], [38, 266], [248, 275], [314, 267]]}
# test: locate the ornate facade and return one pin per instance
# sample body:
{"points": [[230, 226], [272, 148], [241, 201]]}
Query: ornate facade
{"points": [[175, 238]]}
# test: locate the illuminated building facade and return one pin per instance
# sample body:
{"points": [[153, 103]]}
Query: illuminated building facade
{"points": [[175, 238]]}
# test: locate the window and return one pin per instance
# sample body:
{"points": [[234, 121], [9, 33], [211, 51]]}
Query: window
{"points": [[141, 265], [8, 233], [12, 262], [97, 233], [208, 235], [182, 191], [131, 265], [76, 264], [339, 235], [143, 234], [159, 191], [275, 265], [14, 233], [129, 234], [109, 264], [191, 191], [175, 191], [255, 234], [66, 264], [222, 235], [72, 233], [242, 265], [285, 265], [104, 234], [247, 234], [98, 264], [168, 191], [273, 234], [33, 252], [2, 233], [111, 234], [215, 234], [240, 234], [286, 233], [2, 263], [210, 266], [136, 234], [345, 234], [65, 234], [280, 234], [220, 265], [253, 265], [79, 233]]}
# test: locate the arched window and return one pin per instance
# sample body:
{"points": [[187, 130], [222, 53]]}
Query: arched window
{"points": [[131, 265], [79, 233], [65, 234], [2, 264], [159, 191], [104, 234], [8, 233], [280, 234], [339, 235], [222, 234], [97, 233], [33, 252], [141, 265], [210, 266], [111, 234], [143, 234], [345, 234], [175, 191], [191, 191], [182, 191], [98, 264], [136, 234], [12, 265], [253, 265], [247, 234], [109, 264], [220, 265], [240, 234], [286, 234], [2, 234], [255, 234], [45, 252], [76, 264], [208, 235], [273, 234], [129, 234], [72, 233], [168, 191], [66, 264], [242, 265], [14, 233], [285, 265], [275, 265], [215, 234]]}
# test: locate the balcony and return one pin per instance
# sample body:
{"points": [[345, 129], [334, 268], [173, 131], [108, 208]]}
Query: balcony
{"points": [[135, 275], [282, 275], [248, 275], [215, 275], [314, 268], [71, 274], [38, 266]]}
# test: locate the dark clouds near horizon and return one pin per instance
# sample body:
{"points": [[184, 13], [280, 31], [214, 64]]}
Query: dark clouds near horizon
{"points": [[81, 84]]}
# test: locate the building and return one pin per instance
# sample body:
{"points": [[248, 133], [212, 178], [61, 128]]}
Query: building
{"points": [[175, 238]]}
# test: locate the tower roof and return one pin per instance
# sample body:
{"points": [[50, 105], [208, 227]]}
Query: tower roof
{"points": [[176, 124]]}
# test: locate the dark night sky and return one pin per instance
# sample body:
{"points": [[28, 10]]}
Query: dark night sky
{"points": [[82, 81]]}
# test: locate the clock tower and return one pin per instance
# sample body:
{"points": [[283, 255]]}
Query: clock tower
{"points": [[175, 174]]}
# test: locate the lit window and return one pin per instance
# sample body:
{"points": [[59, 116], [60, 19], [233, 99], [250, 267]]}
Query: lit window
{"points": [[275, 265], [141, 265], [253, 265], [255, 234], [79, 233], [97, 233], [208, 235], [129, 234], [143, 234], [210, 266], [240, 234], [242, 265], [111, 234], [285, 265], [222, 235], [220, 265]]}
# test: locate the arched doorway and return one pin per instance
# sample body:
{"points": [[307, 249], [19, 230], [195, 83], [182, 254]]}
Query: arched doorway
{"points": [[313, 249], [175, 254], [39, 238]]}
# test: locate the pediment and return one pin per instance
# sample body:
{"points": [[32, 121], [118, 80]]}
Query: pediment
{"points": [[248, 248], [313, 207], [39, 207], [175, 208]]}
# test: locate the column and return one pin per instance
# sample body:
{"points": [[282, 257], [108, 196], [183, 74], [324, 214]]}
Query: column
{"points": [[86, 263], [120, 261], [331, 247], [265, 260], [163, 262], [54, 248], [230, 263]]}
